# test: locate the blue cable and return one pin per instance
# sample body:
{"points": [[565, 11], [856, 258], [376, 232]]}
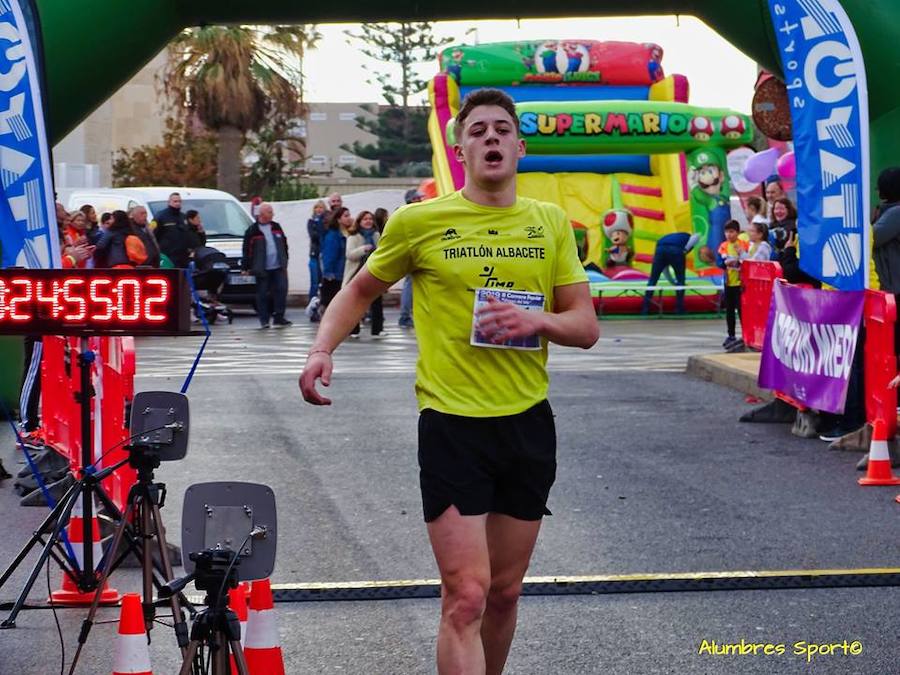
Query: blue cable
{"points": [[42, 486], [187, 381]]}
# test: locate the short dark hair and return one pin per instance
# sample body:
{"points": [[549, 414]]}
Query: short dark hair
{"points": [[732, 225], [106, 215], [481, 97], [191, 214], [889, 184], [174, 194]]}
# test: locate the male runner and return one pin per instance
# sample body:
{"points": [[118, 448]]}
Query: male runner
{"points": [[487, 443]]}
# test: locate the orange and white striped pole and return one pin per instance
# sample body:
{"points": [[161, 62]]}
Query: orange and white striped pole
{"points": [[237, 601]]}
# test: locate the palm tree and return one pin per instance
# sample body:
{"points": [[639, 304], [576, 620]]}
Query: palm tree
{"points": [[233, 78]]}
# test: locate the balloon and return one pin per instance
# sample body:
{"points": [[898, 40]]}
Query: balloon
{"points": [[787, 165], [737, 160], [761, 165]]}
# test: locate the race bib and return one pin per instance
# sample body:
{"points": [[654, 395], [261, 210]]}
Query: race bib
{"points": [[532, 302]]}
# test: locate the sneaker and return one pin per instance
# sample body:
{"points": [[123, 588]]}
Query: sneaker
{"points": [[730, 340], [380, 335], [405, 323], [737, 345], [837, 432], [282, 322], [263, 326]]}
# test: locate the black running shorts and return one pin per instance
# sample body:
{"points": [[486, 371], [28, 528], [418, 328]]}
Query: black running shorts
{"points": [[487, 464]]}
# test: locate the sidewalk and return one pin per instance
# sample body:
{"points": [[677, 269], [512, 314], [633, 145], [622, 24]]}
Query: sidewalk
{"points": [[737, 371]]}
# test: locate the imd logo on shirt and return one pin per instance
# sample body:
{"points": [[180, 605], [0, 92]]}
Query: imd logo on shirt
{"points": [[535, 231]]}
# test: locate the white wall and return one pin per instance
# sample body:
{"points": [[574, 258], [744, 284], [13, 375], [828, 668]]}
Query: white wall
{"points": [[292, 217]]}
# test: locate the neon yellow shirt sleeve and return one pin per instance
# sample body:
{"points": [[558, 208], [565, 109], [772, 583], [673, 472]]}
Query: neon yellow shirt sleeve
{"points": [[392, 260]]}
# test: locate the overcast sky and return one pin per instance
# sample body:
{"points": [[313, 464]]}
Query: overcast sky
{"points": [[719, 75]]}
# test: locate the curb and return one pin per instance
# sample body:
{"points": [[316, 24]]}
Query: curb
{"points": [[735, 371]]}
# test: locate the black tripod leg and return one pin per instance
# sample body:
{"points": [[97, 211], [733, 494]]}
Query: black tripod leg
{"points": [[189, 656], [61, 522], [107, 568], [39, 533], [181, 631], [144, 535]]}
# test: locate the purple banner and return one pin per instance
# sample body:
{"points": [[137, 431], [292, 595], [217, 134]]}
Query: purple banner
{"points": [[809, 345]]}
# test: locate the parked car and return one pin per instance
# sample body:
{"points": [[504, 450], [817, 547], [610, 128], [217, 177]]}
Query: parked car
{"points": [[224, 220]]}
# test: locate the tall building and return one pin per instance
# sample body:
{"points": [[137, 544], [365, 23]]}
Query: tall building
{"points": [[331, 125], [131, 117]]}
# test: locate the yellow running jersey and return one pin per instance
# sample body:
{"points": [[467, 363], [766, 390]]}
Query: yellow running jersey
{"points": [[453, 247]]}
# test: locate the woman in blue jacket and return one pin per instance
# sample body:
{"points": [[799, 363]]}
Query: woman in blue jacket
{"points": [[334, 245]]}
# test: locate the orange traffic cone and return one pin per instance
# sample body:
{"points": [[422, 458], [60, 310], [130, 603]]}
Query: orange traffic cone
{"points": [[237, 601], [878, 471], [70, 594], [132, 654], [261, 642]]}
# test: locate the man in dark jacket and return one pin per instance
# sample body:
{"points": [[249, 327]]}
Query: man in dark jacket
{"points": [[174, 236], [265, 256], [138, 216], [886, 236]]}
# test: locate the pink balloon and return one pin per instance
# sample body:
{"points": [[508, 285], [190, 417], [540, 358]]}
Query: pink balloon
{"points": [[761, 165], [787, 165]]}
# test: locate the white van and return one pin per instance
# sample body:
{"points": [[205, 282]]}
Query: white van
{"points": [[224, 220]]}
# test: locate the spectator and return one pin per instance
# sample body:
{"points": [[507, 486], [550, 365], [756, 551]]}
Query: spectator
{"points": [[315, 228], [381, 217], [886, 238], [105, 220], [334, 252], [406, 296], [265, 256], [774, 191], [783, 237], [730, 252], [138, 216], [669, 253], [196, 224], [175, 238], [335, 201], [362, 241], [121, 246], [76, 243], [759, 242], [92, 230], [756, 210]]}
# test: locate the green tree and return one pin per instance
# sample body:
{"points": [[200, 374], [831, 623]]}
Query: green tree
{"points": [[401, 128], [185, 157], [234, 78]]}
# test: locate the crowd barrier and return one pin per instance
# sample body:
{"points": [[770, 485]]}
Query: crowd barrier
{"points": [[879, 358], [758, 279], [880, 361], [112, 378]]}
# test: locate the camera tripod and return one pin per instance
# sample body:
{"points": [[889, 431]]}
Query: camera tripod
{"points": [[144, 502], [216, 627]]}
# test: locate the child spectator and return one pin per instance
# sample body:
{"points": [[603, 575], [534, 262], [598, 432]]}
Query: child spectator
{"points": [[756, 211], [729, 258], [759, 242]]}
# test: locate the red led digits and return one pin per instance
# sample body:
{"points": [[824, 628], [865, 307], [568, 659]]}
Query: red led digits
{"points": [[100, 297], [21, 294], [47, 298], [73, 294], [93, 302], [157, 289], [128, 299]]}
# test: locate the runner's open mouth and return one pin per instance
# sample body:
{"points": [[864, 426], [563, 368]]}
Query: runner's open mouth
{"points": [[493, 156]]}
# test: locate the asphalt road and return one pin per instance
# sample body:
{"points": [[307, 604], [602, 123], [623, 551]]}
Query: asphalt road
{"points": [[656, 476]]}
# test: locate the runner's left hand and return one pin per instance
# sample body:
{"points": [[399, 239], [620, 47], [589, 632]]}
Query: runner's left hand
{"points": [[501, 321]]}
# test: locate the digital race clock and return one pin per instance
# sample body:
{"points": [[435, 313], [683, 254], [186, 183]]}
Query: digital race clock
{"points": [[94, 302]]}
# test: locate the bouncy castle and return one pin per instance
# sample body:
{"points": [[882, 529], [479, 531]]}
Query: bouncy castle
{"points": [[615, 143]]}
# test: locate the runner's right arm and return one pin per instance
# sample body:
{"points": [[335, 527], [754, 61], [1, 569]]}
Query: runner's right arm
{"points": [[343, 313]]}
